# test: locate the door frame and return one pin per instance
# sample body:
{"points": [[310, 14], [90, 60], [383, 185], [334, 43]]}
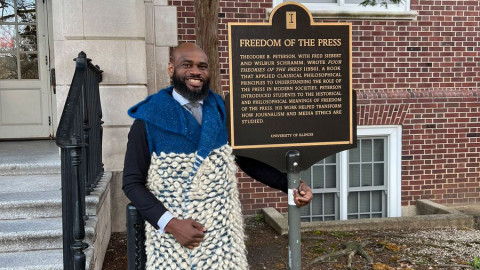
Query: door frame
{"points": [[51, 66]]}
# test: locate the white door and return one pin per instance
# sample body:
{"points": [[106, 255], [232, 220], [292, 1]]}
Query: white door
{"points": [[25, 97]]}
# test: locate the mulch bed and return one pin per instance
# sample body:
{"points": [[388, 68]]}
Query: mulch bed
{"points": [[387, 249]]}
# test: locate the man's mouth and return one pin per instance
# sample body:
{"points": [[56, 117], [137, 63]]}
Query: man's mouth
{"points": [[195, 82]]}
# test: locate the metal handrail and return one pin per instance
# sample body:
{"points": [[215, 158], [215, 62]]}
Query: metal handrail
{"points": [[79, 135]]}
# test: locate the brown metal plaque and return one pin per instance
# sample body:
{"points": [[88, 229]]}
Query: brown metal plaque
{"points": [[290, 86]]}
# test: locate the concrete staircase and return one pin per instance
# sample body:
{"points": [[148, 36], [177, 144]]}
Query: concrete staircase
{"points": [[31, 209]]}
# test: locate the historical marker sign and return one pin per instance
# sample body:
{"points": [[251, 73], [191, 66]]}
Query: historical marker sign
{"points": [[290, 87]]}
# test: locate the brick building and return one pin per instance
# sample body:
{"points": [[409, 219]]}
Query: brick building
{"points": [[417, 75], [415, 70]]}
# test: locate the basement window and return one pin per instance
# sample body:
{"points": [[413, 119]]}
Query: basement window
{"points": [[360, 183]]}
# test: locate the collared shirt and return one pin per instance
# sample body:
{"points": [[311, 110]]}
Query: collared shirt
{"points": [[180, 99]]}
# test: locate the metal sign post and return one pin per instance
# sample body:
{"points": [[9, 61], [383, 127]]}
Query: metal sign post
{"points": [[294, 236]]}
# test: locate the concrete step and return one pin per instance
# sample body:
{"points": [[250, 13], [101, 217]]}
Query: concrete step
{"points": [[32, 260], [17, 205], [29, 196], [30, 234], [36, 234], [37, 260], [29, 157], [29, 183], [20, 205], [31, 207]]}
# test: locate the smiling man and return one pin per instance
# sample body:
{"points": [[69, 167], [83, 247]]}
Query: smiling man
{"points": [[189, 72], [179, 172]]}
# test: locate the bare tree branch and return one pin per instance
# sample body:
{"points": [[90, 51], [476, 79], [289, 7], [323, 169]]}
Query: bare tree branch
{"points": [[384, 3]]}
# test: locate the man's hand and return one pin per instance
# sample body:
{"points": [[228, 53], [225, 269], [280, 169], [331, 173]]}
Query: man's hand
{"points": [[187, 232], [303, 195]]}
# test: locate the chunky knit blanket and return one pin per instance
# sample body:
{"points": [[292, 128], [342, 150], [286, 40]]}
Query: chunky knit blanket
{"points": [[192, 172], [210, 198]]}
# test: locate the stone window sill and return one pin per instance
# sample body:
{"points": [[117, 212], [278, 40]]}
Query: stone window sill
{"points": [[361, 15]]}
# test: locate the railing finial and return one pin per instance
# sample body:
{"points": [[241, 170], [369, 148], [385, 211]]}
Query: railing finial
{"points": [[81, 60]]}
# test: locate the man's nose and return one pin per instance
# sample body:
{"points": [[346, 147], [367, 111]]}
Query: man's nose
{"points": [[194, 70]]}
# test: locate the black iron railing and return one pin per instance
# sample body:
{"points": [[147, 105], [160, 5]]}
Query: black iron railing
{"points": [[79, 135], [136, 255]]}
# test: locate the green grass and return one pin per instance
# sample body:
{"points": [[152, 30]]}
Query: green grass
{"points": [[259, 218], [475, 263]]}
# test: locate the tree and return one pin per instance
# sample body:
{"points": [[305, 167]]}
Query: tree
{"points": [[206, 28]]}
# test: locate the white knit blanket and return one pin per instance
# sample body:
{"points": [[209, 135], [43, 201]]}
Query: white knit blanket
{"points": [[210, 197]]}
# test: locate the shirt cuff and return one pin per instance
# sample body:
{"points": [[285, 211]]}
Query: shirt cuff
{"points": [[163, 221]]}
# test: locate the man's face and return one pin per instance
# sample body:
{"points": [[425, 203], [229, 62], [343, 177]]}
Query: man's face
{"points": [[189, 73]]}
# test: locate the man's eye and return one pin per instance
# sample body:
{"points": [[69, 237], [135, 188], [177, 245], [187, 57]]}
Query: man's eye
{"points": [[186, 65]]}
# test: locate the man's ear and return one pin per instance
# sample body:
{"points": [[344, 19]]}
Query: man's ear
{"points": [[170, 69]]}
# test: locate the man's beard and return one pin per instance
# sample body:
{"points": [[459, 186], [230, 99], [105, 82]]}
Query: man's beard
{"points": [[183, 90]]}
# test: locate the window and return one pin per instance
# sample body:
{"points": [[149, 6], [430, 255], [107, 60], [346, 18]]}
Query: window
{"points": [[323, 180], [18, 40], [353, 9], [367, 187], [360, 183]]}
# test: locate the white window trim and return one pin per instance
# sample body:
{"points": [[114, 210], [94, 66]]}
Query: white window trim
{"points": [[356, 11], [394, 168]]}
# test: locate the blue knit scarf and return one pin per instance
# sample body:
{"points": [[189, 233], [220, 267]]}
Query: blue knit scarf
{"points": [[171, 128]]}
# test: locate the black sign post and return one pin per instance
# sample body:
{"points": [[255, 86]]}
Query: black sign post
{"points": [[291, 102]]}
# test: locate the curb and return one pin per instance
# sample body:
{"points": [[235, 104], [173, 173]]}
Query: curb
{"points": [[431, 215]]}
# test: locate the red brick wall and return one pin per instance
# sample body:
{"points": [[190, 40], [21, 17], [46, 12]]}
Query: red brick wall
{"points": [[423, 74], [255, 196], [440, 140], [186, 19]]}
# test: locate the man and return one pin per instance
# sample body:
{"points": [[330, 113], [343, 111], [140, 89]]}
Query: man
{"points": [[180, 173]]}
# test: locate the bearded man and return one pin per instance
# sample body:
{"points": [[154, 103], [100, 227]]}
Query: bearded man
{"points": [[180, 172]]}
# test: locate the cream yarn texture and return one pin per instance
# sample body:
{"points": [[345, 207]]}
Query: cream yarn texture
{"points": [[207, 194]]}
